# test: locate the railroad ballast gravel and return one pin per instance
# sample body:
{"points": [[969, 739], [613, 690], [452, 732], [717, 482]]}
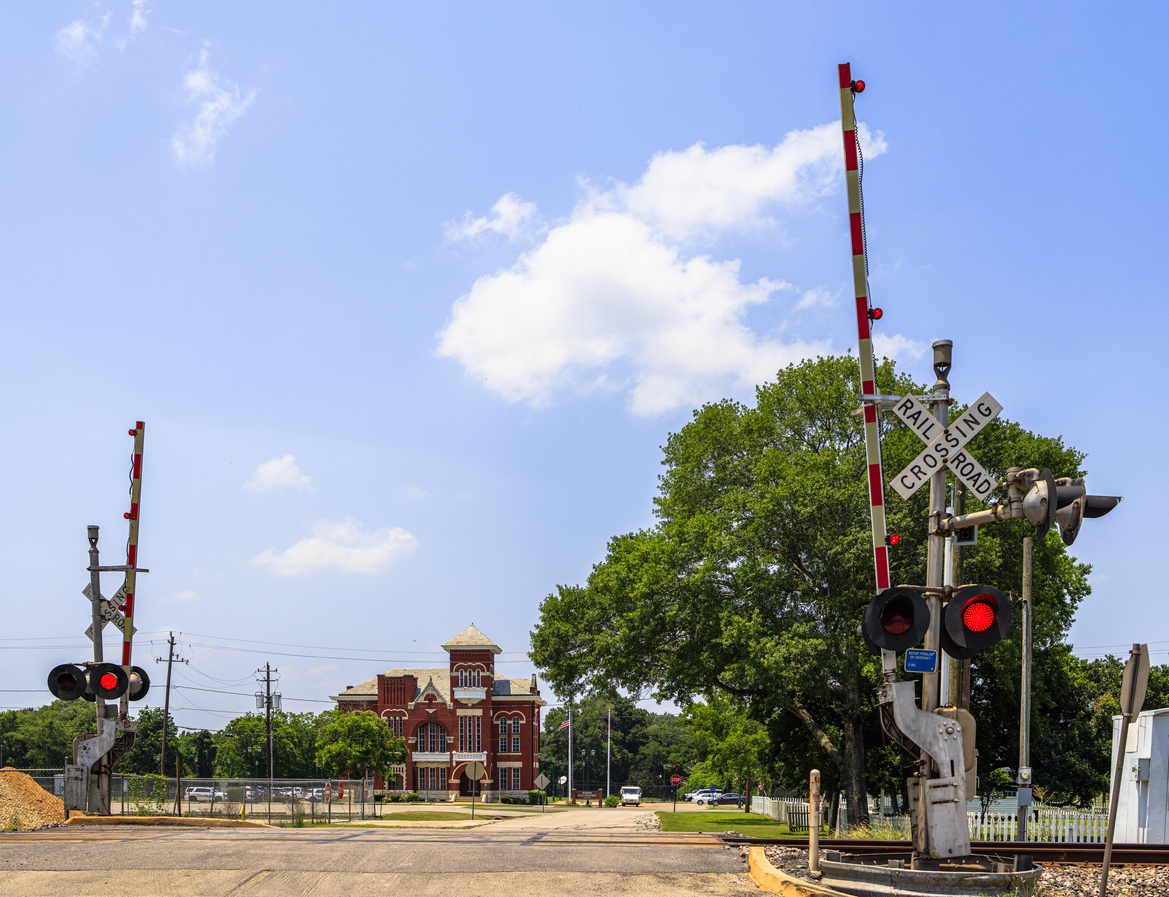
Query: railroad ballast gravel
{"points": [[1056, 881]]}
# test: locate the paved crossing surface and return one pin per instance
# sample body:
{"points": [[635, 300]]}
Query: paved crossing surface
{"points": [[577, 852]]}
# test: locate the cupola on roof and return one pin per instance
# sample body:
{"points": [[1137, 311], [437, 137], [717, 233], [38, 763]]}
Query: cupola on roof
{"points": [[471, 638]]}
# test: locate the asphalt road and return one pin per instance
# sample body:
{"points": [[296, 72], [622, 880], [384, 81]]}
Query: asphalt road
{"points": [[577, 852]]}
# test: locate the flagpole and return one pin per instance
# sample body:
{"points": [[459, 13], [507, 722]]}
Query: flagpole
{"points": [[571, 796], [608, 752]]}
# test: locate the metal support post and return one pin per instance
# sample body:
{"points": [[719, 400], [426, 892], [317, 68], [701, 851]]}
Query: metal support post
{"points": [[935, 556], [98, 798], [814, 821], [1023, 779]]}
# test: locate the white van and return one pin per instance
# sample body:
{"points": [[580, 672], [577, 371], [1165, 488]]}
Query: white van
{"points": [[631, 794]]}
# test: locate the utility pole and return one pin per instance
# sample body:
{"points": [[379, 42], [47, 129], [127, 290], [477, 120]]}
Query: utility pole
{"points": [[170, 659], [268, 714]]}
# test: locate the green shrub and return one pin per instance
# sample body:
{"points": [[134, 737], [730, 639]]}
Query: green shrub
{"points": [[534, 797], [612, 800], [412, 798], [395, 798]]}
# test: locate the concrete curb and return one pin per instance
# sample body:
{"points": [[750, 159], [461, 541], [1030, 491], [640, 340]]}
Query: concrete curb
{"points": [[194, 821], [771, 879]]}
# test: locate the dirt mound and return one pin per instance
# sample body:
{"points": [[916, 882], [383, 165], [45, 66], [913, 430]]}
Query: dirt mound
{"points": [[26, 805]]}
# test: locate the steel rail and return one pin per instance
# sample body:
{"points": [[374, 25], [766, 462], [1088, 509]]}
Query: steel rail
{"points": [[1056, 852]]}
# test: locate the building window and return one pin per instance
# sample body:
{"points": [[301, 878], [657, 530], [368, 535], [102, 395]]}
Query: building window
{"points": [[477, 680], [515, 726], [478, 734], [503, 779], [515, 745], [502, 728], [462, 736]]}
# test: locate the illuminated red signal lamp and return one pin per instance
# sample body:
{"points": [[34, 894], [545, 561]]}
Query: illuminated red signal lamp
{"points": [[977, 617], [893, 539], [875, 314], [858, 86]]}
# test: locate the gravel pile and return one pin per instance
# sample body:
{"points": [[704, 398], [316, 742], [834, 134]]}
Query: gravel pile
{"points": [[1057, 881], [25, 805]]}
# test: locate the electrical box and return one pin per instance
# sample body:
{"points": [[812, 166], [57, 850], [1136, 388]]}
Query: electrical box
{"points": [[1142, 812]]}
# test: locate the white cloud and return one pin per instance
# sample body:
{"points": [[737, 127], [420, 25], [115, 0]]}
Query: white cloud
{"points": [[340, 546], [612, 300], [137, 23], [416, 492], [510, 216], [897, 347], [694, 192], [819, 296], [220, 103], [278, 473], [78, 40], [138, 19], [184, 595]]}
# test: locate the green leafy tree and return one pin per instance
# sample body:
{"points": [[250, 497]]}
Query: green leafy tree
{"points": [[753, 580], [358, 743], [732, 744], [42, 738]]}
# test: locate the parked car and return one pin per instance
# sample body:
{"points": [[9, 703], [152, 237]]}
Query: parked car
{"points": [[631, 794], [704, 795], [197, 793], [731, 798]]}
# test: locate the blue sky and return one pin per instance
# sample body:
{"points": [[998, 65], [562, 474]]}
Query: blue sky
{"points": [[410, 295]]}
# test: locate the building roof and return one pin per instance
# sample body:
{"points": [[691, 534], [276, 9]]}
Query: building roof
{"points": [[472, 638], [506, 687], [441, 679]]}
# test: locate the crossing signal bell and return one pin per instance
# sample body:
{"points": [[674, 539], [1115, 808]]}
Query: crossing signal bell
{"points": [[68, 682], [895, 620]]}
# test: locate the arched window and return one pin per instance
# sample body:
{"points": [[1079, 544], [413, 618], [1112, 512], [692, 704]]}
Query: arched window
{"points": [[478, 683], [430, 737]]}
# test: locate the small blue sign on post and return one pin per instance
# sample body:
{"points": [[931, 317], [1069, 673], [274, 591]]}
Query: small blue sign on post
{"points": [[919, 660]]}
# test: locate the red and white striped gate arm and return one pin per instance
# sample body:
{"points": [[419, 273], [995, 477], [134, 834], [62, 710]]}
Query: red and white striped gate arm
{"points": [[132, 544], [865, 354]]}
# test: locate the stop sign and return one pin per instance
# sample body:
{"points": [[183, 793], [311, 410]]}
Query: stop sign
{"points": [[675, 780]]}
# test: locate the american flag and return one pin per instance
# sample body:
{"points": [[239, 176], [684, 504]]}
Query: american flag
{"points": [[564, 725]]}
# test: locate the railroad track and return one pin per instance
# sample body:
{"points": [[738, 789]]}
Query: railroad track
{"points": [[1054, 853]]}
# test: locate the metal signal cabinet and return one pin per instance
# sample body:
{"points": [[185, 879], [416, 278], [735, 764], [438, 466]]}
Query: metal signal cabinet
{"points": [[1142, 812]]}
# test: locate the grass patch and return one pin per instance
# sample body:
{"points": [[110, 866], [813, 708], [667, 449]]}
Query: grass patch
{"points": [[752, 825], [426, 816]]}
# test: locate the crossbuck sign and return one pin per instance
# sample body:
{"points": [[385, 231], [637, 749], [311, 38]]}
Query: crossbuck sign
{"points": [[945, 446], [109, 610]]}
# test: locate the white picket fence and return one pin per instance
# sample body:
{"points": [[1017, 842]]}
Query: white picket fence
{"points": [[1045, 825]]}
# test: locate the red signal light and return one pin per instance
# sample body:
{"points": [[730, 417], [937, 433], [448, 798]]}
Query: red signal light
{"points": [[133, 432], [875, 314], [858, 86], [978, 616], [892, 539], [109, 681]]}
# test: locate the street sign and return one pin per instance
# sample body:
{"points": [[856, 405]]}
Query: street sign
{"points": [[542, 781], [564, 780], [920, 660], [675, 780], [475, 771], [944, 446]]}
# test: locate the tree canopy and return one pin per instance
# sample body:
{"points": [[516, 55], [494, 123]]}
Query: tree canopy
{"points": [[358, 742]]}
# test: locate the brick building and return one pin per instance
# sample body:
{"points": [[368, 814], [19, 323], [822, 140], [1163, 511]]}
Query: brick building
{"points": [[450, 717]]}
